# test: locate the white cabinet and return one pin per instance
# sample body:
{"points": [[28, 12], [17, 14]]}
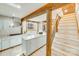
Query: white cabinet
{"points": [[19, 39], [15, 40], [0, 44], [10, 41], [5, 43], [41, 40], [29, 45], [25, 45]]}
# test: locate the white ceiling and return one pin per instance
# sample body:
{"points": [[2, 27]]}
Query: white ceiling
{"points": [[19, 9]]}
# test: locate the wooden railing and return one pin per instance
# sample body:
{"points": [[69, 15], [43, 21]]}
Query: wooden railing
{"points": [[55, 27], [57, 22], [77, 22]]}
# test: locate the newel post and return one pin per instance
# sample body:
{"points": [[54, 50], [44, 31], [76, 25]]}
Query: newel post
{"points": [[49, 33]]}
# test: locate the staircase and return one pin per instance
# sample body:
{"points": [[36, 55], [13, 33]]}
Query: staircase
{"points": [[66, 41]]}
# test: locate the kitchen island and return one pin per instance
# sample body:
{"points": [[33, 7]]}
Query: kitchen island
{"points": [[32, 42]]}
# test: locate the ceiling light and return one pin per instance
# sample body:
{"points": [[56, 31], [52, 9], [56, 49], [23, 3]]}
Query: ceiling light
{"points": [[14, 5], [18, 6]]}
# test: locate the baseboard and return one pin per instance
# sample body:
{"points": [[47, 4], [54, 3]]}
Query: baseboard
{"points": [[19, 45]]}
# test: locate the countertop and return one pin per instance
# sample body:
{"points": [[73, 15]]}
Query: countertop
{"points": [[29, 37]]}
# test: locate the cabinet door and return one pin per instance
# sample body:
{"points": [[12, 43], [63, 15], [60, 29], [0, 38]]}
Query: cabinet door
{"points": [[33, 44], [5, 43], [26, 46], [15, 40], [41, 41], [18, 39]]}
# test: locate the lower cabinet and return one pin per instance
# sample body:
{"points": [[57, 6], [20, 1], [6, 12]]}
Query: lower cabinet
{"points": [[10, 41], [15, 40], [5, 43], [0, 44], [30, 45]]}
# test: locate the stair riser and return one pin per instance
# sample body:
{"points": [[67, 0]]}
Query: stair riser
{"points": [[66, 46], [62, 52], [70, 18], [69, 35], [68, 24], [67, 50], [68, 41], [68, 29]]}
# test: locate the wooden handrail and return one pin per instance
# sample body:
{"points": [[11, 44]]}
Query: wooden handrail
{"points": [[77, 23], [57, 22], [55, 27]]}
